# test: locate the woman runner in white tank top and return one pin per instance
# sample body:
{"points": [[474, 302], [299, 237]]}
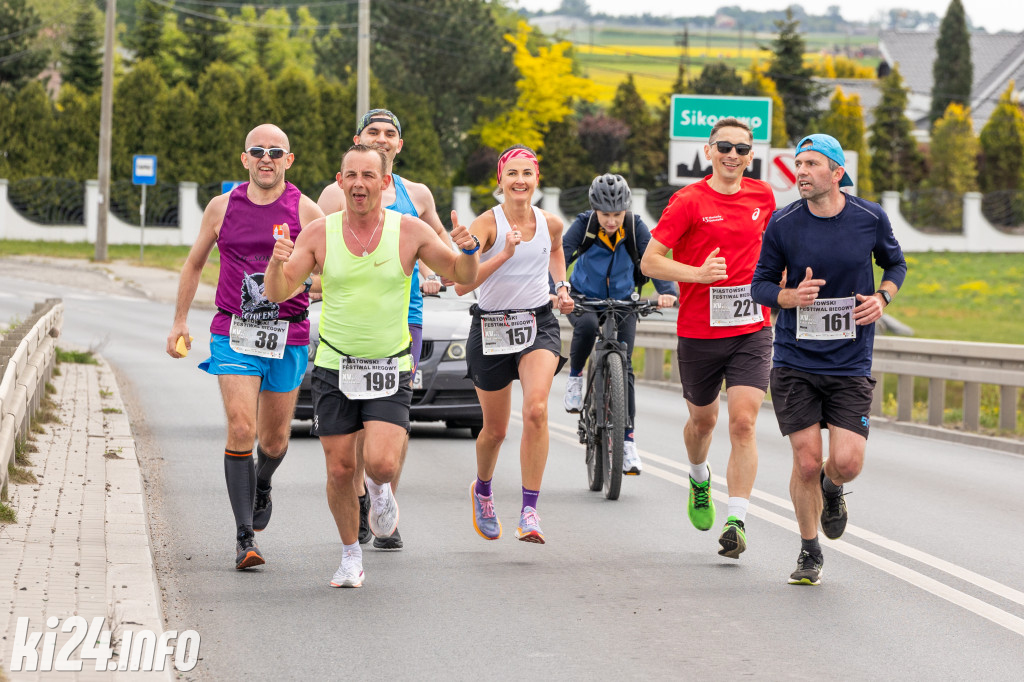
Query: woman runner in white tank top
{"points": [[515, 335]]}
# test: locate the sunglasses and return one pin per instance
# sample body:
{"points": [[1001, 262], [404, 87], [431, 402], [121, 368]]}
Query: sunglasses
{"points": [[260, 152], [726, 147]]}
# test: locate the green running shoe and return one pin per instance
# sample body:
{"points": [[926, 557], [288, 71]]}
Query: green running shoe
{"points": [[700, 508], [733, 540]]}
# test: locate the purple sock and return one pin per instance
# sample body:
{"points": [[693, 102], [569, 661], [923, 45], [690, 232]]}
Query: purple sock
{"points": [[483, 488], [530, 498]]}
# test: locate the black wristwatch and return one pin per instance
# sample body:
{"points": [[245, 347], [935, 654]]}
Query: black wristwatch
{"points": [[886, 295], [308, 284]]}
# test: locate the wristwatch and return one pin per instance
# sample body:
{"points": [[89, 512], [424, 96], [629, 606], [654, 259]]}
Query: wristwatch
{"points": [[476, 248], [308, 284], [434, 278], [559, 285], [886, 295]]}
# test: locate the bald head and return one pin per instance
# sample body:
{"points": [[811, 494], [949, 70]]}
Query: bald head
{"points": [[267, 135]]}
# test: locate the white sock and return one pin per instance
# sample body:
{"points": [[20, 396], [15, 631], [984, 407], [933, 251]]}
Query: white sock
{"points": [[375, 489], [354, 550], [738, 507], [700, 472]]}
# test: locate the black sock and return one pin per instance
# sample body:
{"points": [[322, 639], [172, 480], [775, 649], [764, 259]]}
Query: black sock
{"points": [[830, 488], [811, 546], [240, 474], [266, 466]]}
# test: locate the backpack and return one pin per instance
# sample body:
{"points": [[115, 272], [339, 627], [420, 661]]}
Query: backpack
{"points": [[639, 278]]}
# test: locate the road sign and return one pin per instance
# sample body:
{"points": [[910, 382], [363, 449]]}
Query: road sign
{"points": [[693, 116], [687, 163], [144, 169], [228, 185]]}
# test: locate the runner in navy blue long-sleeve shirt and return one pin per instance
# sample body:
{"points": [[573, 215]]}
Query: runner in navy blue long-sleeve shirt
{"points": [[821, 368]]}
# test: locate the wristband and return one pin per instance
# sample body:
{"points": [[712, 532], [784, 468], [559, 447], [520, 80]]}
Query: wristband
{"points": [[476, 248], [308, 284], [559, 285], [886, 295]]}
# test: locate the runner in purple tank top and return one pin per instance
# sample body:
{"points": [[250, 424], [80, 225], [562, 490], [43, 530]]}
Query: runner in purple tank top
{"points": [[259, 349]]}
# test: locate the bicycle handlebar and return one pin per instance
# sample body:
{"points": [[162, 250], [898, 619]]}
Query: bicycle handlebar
{"points": [[595, 305]]}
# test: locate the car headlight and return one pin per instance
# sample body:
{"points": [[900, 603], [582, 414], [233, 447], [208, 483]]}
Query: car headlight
{"points": [[456, 351]]}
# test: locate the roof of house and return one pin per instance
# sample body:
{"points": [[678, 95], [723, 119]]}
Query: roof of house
{"points": [[997, 59]]}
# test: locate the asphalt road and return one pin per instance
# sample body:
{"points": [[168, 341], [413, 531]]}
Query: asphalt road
{"points": [[927, 582]]}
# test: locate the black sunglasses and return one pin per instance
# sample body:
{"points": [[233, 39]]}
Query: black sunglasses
{"points": [[260, 152], [726, 147]]}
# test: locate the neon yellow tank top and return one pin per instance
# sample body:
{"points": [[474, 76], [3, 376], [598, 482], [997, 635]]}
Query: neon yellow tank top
{"points": [[366, 298]]}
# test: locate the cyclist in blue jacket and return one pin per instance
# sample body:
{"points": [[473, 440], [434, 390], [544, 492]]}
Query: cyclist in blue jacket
{"points": [[607, 243]]}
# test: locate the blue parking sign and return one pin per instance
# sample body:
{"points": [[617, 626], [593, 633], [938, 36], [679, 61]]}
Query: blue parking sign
{"points": [[228, 185], [144, 169]]}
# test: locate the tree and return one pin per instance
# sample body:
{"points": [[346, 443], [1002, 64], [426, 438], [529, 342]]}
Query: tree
{"points": [[952, 71], [766, 88], [896, 162], [136, 121], [570, 164], [205, 43], [221, 125], [799, 92], [643, 157], [421, 158], [20, 59], [546, 92], [1002, 146], [30, 150], [954, 160], [718, 78], [145, 38], [82, 64], [298, 105], [845, 122], [604, 138], [77, 132], [176, 114], [272, 40], [6, 132]]}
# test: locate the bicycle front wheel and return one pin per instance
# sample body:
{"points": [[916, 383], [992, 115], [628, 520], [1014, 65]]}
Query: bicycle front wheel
{"points": [[614, 418], [589, 425]]}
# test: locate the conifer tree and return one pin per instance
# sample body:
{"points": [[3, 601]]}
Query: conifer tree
{"points": [[1002, 146], [952, 71], [21, 59], [299, 107], [82, 63], [896, 162], [77, 132], [30, 150], [145, 38], [845, 122], [799, 92], [643, 159]]}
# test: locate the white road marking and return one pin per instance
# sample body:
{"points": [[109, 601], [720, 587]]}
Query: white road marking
{"points": [[939, 589]]}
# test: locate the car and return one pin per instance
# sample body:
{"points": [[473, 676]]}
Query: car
{"points": [[441, 391]]}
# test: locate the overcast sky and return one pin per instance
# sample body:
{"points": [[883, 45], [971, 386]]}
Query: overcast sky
{"points": [[993, 15]]}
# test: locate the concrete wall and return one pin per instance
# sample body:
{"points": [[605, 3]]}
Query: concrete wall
{"points": [[978, 235]]}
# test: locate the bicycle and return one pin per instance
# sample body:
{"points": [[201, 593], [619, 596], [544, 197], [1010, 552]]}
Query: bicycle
{"points": [[603, 419]]}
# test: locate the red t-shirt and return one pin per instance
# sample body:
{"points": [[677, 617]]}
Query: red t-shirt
{"points": [[696, 221]]}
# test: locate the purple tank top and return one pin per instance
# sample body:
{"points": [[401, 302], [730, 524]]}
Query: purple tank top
{"points": [[246, 242]]}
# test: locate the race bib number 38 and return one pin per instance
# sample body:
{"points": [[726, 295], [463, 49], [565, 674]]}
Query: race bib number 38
{"points": [[733, 306], [827, 319], [363, 379], [508, 333], [266, 339]]}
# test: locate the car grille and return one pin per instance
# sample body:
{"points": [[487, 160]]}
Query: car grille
{"points": [[428, 350]]}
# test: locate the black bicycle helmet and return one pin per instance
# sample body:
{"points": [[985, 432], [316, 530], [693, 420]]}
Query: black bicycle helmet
{"points": [[610, 193]]}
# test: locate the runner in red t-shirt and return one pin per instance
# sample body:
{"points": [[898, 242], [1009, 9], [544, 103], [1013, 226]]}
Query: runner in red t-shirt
{"points": [[714, 230]]}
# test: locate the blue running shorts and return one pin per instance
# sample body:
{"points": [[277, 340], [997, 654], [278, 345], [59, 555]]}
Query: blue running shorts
{"points": [[281, 376]]}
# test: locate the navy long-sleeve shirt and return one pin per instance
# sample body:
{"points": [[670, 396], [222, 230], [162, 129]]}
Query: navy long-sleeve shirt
{"points": [[838, 250], [602, 272]]}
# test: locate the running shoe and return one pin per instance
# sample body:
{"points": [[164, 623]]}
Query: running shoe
{"points": [[833, 511], [808, 569], [392, 543], [261, 509], [573, 399], [700, 508], [364, 519], [733, 539], [631, 464], [529, 527], [485, 521], [383, 513], [247, 554], [350, 573]]}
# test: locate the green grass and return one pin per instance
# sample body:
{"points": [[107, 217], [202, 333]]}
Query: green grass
{"points": [[7, 515], [163, 257], [76, 356]]}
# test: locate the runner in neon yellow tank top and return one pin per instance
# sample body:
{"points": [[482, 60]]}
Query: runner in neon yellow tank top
{"points": [[367, 388]]}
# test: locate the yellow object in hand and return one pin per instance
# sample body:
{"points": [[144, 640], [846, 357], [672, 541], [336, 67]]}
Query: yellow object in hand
{"points": [[180, 346]]}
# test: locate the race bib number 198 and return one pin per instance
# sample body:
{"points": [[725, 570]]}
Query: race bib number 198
{"points": [[508, 333], [265, 339], [827, 319], [362, 379], [733, 306]]}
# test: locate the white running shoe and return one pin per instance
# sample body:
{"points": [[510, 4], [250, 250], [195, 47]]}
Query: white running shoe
{"points": [[631, 464], [573, 399], [350, 573], [383, 513]]}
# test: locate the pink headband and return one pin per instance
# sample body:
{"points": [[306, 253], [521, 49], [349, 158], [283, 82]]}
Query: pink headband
{"points": [[517, 153]]}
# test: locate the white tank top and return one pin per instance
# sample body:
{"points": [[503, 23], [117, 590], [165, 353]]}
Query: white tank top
{"points": [[521, 282]]}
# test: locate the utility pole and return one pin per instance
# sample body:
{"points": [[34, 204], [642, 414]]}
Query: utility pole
{"points": [[363, 60], [106, 116], [683, 41]]}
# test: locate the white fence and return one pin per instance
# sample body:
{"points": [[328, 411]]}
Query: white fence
{"points": [[978, 234], [27, 357]]}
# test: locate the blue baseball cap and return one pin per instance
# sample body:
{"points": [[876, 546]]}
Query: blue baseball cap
{"points": [[830, 147], [378, 116]]}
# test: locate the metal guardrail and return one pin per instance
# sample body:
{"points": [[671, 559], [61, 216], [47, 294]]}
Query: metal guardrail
{"points": [[973, 364], [27, 354]]}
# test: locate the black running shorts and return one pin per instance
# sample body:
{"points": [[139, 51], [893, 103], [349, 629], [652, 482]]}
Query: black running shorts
{"points": [[743, 360], [495, 372], [334, 414], [801, 400]]}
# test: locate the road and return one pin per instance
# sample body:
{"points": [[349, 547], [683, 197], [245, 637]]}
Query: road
{"points": [[927, 582]]}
